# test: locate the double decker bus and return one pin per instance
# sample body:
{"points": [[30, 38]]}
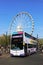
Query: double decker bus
{"points": [[22, 44]]}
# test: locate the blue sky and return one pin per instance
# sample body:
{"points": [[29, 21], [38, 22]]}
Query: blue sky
{"points": [[9, 8]]}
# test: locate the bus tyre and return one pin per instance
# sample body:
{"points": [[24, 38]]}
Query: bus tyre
{"points": [[11, 55], [29, 52]]}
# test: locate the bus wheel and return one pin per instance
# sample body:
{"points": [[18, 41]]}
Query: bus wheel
{"points": [[29, 52], [11, 55]]}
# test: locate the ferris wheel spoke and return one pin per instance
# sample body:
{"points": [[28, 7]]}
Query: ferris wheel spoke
{"points": [[24, 20]]}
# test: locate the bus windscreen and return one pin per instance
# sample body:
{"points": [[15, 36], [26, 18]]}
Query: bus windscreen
{"points": [[17, 41]]}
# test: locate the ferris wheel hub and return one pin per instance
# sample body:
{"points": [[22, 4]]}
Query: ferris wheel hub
{"points": [[19, 28]]}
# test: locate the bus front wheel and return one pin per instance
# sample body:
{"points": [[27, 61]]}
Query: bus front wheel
{"points": [[29, 52]]}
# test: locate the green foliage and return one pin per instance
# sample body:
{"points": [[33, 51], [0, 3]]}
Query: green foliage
{"points": [[4, 40], [40, 42]]}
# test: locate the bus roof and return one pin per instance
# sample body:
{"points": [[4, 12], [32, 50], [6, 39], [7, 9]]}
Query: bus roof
{"points": [[26, 34], [17, 32], [30, 36]]}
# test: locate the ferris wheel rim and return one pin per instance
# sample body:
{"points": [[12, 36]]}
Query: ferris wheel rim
{"points": [[28, 16]]}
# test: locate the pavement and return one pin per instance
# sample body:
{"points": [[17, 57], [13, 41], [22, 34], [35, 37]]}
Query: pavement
{"points": [[34, 59]]}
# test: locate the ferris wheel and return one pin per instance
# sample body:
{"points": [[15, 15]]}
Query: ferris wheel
{"points": [[23, 21]]}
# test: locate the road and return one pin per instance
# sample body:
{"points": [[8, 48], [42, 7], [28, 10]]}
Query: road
{"points": [[34, 59]]}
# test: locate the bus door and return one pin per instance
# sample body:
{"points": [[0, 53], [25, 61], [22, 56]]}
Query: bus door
{"points": [[25, 49]]}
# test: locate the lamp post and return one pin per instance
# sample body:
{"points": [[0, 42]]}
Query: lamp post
{"points": [[6, 38], [37, 43]]}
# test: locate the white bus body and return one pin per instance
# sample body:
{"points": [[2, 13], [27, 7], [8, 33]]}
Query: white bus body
{"points": [[23, 44]]}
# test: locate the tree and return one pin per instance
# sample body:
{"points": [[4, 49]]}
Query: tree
{"points": [[40, 42], [4, 40]]}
